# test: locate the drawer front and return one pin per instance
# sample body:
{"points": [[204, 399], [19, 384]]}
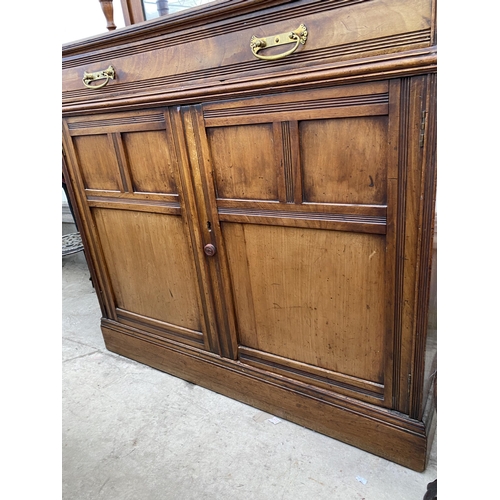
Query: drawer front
{"points": [[219, 53]]}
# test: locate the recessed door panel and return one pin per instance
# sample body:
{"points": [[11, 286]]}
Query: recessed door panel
{"points": [[244, 162], [98, 162], [150, 265], [310, 295], [149, 160], [344, 160]]}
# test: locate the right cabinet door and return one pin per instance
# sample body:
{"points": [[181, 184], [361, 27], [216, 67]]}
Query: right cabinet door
{"points": [[302, 190]]}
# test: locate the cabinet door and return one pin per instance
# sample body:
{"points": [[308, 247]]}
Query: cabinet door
{"points": [[137, 217], [301, 202]]}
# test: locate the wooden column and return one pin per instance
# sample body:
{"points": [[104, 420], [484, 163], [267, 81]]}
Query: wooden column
{"points": [[162, 7], [107, 8]]}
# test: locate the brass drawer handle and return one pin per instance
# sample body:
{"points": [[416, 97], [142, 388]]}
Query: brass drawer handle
{"points": [[299, 36], [107, 74]]}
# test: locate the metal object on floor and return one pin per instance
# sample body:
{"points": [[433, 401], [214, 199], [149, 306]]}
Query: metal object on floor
{"points": [[71, 243], [431, 493]]}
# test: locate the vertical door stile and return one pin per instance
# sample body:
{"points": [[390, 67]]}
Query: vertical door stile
{"points": [[87, 229], [191, 218], [419, 203], [413, 92], [393, 332], [218, 264], [400, 370]]}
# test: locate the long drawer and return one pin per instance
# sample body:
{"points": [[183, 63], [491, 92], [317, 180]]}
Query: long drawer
{"points": [[177, 58]]}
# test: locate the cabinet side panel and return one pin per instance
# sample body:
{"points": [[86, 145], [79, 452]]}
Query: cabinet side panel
{"points": [[430, 371]]}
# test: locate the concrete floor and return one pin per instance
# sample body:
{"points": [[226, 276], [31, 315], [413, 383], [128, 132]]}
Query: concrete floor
{"points": [[132, 432]]}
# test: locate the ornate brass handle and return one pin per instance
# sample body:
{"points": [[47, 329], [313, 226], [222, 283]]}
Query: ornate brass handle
{"points": [[107, 74], [299, 36]]}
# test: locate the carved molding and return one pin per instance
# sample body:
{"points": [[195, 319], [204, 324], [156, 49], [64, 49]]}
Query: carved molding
{"points": [[333, 102], [404, 124], [285, 214], [426, 227], [116, 121], [287, 162]]}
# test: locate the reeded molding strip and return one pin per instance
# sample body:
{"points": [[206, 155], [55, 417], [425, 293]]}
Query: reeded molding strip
{"points": [[285, 214], [134, 201], [335, 102], [404, 132], [191, 35], [306, 57], [112, 122], [287, 161]]}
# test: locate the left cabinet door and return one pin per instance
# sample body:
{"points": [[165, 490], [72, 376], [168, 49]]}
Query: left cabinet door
{"points": [[139, 217]]}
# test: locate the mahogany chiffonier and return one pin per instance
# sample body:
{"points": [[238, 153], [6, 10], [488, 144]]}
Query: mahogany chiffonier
{"points": [[254, 181]]}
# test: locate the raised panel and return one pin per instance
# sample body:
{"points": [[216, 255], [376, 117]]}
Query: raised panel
{"points": [[97, 159], [313, 296], [151, 266], [244, 161], [149, 162], [345, 160]]}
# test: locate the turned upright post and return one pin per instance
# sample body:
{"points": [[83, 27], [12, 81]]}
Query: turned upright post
{"points": [[107, 8], [162, 7]]}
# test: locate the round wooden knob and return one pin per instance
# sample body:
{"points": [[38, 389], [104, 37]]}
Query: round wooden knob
{"points": [[209, 250]]}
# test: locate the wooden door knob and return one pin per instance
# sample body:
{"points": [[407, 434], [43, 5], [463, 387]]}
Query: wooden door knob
{"points": [[209, 250]]}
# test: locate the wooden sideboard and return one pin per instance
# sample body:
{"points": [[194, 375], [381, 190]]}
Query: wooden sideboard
{"points": [[264, 227]]}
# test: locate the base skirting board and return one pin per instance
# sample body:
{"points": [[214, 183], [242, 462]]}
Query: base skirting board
{"points": [[381, 432]]}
